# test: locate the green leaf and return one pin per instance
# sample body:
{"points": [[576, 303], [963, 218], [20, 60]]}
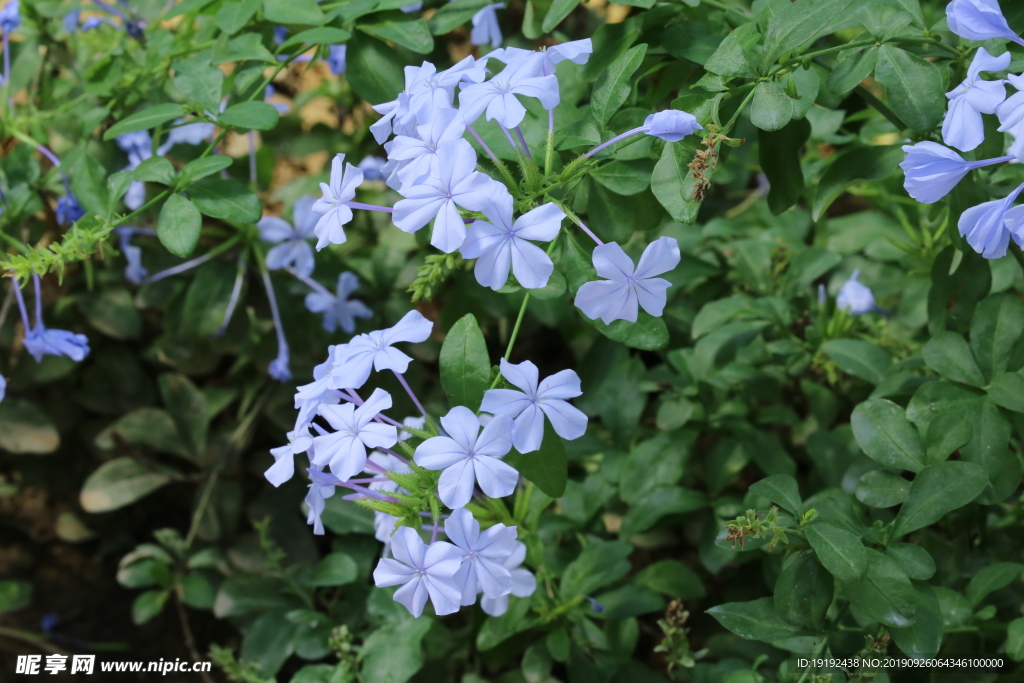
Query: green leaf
{"points": [[1015, 639], [599, 564], [14, 595], [1007, 391], [946, 435], [793, 24], [373, 70], [882, 489], [148, 605], [202, 167], [673, 183], [781, 489], [996, 326], [232, 16], [913, 559], [89, 183], [856, 165], [613, 86], [151, 427], [652, 463], [734, 55], [145, 119], [645, 512], [647, 333], [408, 31], [25, 429], [914, 87], [883, 432], [207, 299], [937, 490], [852, 68], [841, 551], [382, 661], [859, 358], [935, 399], [924, 637], [242, 594], [548, 467], [187, 407], [199, 81], [885, 593], [465, 364], [754, 620], [771, 108], [559, 10], [120, 482], [577, 134], [625, 177], [337, 569], [948, 354], [155, 170], [291, 12], [956, 292], [197, 591], [179, 225], [269, 641], [246, 46], [672, 578], [989, 448], [112, 312], [803, 592], [226, 199], [250, 115], [455, 14], [323, 35], [779, 154], [991, 578]]}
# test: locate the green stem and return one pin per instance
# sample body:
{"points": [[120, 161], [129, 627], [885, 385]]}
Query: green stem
{"points": [[200, 509], [743, 105], [515, 333]]}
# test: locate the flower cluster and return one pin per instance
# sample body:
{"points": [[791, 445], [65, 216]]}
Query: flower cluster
{"points": [[933, 170], [350, 444]]}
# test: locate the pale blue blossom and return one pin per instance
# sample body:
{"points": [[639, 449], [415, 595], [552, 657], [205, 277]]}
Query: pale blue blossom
{"points": [[344, 450], [1011, 116], [931, 171], [309, 397], [855, 297], [498, 243], [537, 400], [138, 146], [42, 341], [68, 209], [421, 571], [333, 206], [292, 248], [963, 126], [576, 51], [498, 96], [280, 368], [283, 469], [372, 168], [456, 183], [431, 91], [979, 20], [483, 556], [671, 125], [336, 59], [3, 388], [10, 16], [485, 26], [366, 352], [617, 297], [523, 583], [339, 309], [186, 134], [419, 155], [322, 487], [470, 457], [134, 272], [985, 229]]}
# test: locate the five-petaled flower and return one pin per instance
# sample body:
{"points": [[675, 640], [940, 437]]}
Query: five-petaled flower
{"points": [[421, 571], [617, 297]]}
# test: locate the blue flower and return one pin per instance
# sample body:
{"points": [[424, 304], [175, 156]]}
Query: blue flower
{"points": [[93, 23], [855, 297], [280, 34], [3, 388], [139, 147], [46, 342], [283, 468], [498, 96], [293, 249], [188, 134], [485, 26], [336, 61], [537, 400], [931, 170], [979, 20], [456, 183], [985, 229], [68, 210], [372, 168], [483, 556], [280, 368], [671, 125], [498, 243], [470, 457], [339, 309], [345, 449], [321, 488], [422, 572], [134, 272], [70, 20], [963, 126], [617, 297], [523, 583], [10, 16], [333, 207], [374, 351], [418, 156]]}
